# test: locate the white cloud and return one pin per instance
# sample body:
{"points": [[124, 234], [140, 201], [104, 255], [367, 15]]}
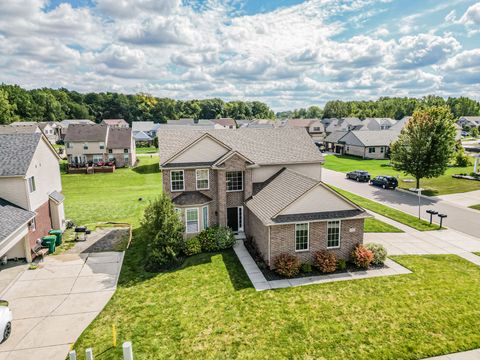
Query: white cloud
{"points": [[472, 15]]}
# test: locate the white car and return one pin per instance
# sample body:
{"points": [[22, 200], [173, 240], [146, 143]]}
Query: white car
{"points": [[5, 321]]}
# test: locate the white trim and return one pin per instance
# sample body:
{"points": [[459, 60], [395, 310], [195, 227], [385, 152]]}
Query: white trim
{"points": [[295, 237], [243, 180], [208, 179], [171, 178], [242, 218], [186, 221], [339, 235], [203, 219]]}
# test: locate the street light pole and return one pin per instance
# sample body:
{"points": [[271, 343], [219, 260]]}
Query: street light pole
{"points": [[419, 192]]}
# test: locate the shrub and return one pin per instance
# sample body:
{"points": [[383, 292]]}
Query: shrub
{"points": [[192, 246], [379, 253], [286, 265], [163, 230], [325, 261], [362, 257], [341, 264], [306, 268], [216, 238]]}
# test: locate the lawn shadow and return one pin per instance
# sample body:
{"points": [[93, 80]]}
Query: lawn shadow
{"points": [[147, 169]]}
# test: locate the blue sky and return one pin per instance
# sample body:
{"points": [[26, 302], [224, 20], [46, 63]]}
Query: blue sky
{"points": [[288, 53]]}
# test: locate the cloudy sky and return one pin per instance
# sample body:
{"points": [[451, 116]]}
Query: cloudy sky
{"points": [[288, 53]]}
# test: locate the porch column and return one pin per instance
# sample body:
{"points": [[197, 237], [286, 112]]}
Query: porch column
{"points": [[28, 251]]}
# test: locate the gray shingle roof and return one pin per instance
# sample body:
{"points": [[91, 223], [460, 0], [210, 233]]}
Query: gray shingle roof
{"points": [[19, 129], [86, 132], [285, 188], [16, 153], [11, 218], [335, 136], [325, 215], [119, 138], [375, 138], [262, 146], [56, 196], [141, 136], [191, 198], [143, 125]]}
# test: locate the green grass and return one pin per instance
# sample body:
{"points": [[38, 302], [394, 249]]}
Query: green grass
{"points": [[112, 196], [476, 207], [389, 212], [377, 226], [147, 150], [442, 185], [208, 310]]}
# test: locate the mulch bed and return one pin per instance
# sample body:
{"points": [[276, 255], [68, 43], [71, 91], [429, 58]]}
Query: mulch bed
{"points": [[271, 275]]}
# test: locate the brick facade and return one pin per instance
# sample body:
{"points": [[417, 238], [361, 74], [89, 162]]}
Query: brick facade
{"points": [[282, 238], [43, 224]]}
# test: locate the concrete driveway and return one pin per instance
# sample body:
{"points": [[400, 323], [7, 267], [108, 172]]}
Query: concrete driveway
{"points": [[459, 218], [53, 304]]}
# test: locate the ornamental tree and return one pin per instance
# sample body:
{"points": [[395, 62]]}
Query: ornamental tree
{"points": [[426, 144]]}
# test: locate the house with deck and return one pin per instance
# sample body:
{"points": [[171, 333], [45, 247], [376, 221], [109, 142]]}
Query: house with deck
{"points": [[31, 199], [265, 184]]}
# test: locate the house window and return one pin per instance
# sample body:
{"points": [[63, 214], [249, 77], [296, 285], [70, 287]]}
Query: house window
{"points": [[125, 151], [371, 150], [69, 145], [202, 176], [301, 237], [32, 225], [333, 234], [126, 157], [176, 180], [102, 146], [205, 217], [316, 129], [85, 146], [234, 181], [191, 220], [111, 157], [382, 150], [31, 184], [97, 158], [110, 151]]}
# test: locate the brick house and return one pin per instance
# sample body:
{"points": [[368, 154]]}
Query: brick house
{"points": [[31, 200], [264, 183]]}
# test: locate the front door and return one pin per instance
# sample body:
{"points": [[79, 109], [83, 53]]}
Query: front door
{"points": [[232, 218]]}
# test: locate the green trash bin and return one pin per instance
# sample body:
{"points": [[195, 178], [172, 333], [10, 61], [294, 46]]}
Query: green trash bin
{"points": [[58, 234], [50, 242]]}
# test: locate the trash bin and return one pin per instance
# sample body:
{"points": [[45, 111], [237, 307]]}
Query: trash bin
{"points": [[50, 242], [58, 234]]}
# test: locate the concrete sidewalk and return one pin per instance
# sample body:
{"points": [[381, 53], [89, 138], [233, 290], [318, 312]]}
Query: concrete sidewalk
{"points": [[53, 304], [466, 355]]}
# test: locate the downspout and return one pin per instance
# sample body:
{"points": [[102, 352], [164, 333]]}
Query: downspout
{"points": [[269, 246]]}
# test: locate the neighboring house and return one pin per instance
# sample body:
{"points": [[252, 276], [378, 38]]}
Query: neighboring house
{"points": [[368, 144], [469, 121], [343, 124], [225, 123], [148, 127], [375, 124], [314, 127], [121, 123], [261, 182], [140, 136], [64, 124], [31, 200], [51, 129], [331, 142], [31, 128], [85, 144], [400, 124]]}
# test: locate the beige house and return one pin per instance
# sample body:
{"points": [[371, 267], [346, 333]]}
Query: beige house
{"points": [[314, 127], [91, 144], [31, 200], [121, 123], [262, 183]]}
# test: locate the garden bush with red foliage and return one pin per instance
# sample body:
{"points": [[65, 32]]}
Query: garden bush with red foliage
{"points": [[287, 265], [362, 257], [325, 261]]}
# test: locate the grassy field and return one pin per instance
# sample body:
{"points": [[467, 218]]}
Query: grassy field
{"points": [[389, 212], [444, 184], [209, 310], [112, 196], [377, 226], [147, 150], [476, 207]]}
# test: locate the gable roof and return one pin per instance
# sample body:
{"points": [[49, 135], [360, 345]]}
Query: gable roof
{"points": [[225, 122], [143, 126], [86, 132], [262, 146], [119, 138], [11, 218], [140, 135], [19, 129], [67, 122], [372, 137], [114, 122], [16, 152], [335, 136]]}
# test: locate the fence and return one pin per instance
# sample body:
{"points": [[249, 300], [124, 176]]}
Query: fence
{"points": [[126, 347]]}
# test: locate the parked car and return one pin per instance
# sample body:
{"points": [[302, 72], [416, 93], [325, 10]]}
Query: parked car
{"points": [[5, 320], [359, 175], [386, 182]]}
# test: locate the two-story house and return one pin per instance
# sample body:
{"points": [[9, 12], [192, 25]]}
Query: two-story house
{"points": [[121, 123], [264, 183], [96, 143], [31, 200]]}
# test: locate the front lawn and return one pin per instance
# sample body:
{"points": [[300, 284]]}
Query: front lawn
{"points": [[389, 212], [147, 150], [208, 310], [377, 226], [476, 207], [442, 185], [112, 196]]}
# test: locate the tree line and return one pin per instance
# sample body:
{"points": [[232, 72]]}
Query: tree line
{"points": [[18, 104], [389, 107]]}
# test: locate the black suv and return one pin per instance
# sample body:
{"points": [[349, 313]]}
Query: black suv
{"points": [[359, 175], [386, 182]]}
